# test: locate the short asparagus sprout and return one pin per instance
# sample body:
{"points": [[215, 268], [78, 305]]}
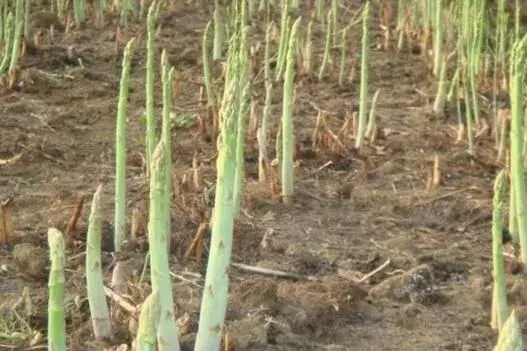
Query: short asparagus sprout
{"points": [[56, 318], [499, 303], [148, 320], [167, 335], [363, 77], [101, 322], [510, 338]]}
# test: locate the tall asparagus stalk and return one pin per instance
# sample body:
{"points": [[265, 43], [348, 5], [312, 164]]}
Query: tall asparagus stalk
{"points": [[499, 303], [288, 136], [19, 31], [363, 109], [215, 293], [150, 66], [518, 61], [243, 105], [120, 151], [168, 74], [167, 334]]}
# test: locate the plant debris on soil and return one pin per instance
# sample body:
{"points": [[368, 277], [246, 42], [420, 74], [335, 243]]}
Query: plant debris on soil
{"points": [[353, 212]]}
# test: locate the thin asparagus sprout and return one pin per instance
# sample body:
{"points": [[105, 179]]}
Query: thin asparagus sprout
{"points": [[518, 61], [282, 45], [79, 12], [142, 7], [468, 120], [2, 25], [440, 100], [267, 111], [499, 306], [219, 29], [262, 6], [120, 150], [513, 218], [449, 24], [517, 19], [343, 54], [363, 76], [319, 4], [250, 8], [8, 43], [150, 69], [282, 63], [267, 53], [401, 24], [262, 156], [167, 78], [468, 108], [159, 6], [56, 317], [19, 27], [454, 87], [17, 41], [61, 5], [309, 49], [6, 8], [3, 21], [334, 19], [371, 119], [287, 118], [148, 320], [100, 317], [327, 47], [123, 16], [278, 146], [438, 38], [474, 53], [502, 123], [101, 5], [268, 86], [26, 19], [495, 77], [207, 72], [427, 16], [167, 332]]}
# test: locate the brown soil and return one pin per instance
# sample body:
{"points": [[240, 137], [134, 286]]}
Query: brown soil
{"points": [[348, 218]]}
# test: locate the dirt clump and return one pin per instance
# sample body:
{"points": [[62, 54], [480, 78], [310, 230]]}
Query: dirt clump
{"points": [[414, 285], [31, 261], [317, 304]]}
